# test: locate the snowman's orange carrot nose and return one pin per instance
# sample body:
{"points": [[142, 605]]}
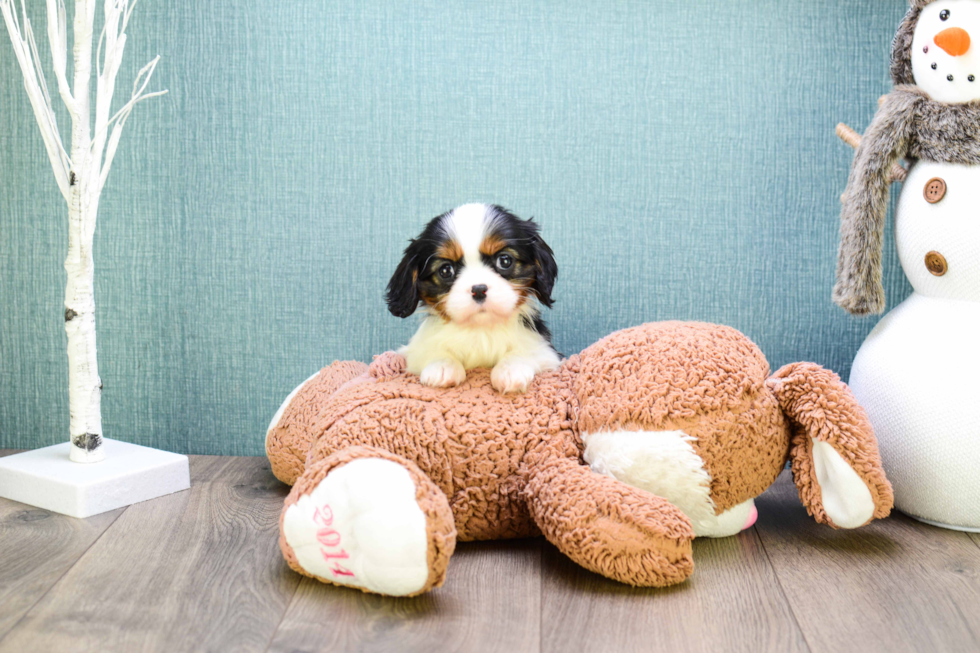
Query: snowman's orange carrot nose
{"points": [[955, 41]]}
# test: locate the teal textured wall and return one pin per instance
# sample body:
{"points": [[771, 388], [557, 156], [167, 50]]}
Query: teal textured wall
{"points": [[680, 158]]}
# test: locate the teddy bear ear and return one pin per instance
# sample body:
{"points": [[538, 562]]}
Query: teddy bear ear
{"points": [[834, 455]]}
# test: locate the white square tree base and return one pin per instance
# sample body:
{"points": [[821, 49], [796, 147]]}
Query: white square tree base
{"points": [[129, 474]]}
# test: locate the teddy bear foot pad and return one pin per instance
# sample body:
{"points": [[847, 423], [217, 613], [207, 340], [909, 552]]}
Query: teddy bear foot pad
{"points": [[361, 526]]}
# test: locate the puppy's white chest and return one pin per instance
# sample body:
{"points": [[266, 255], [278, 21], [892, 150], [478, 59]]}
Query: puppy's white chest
{"points": [[471, 347]]}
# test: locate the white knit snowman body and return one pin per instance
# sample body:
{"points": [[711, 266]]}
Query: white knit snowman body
{"points": [[918, 372]]}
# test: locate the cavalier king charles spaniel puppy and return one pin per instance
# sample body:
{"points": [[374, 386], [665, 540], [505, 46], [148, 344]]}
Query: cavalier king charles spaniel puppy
{"points": [[482, 274]]}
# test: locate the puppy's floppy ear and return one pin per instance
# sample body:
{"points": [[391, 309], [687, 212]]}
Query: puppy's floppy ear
{"points": [[403, 288], [547, 268]]}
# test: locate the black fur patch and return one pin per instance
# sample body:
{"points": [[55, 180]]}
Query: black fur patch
{"points": [[537, 325], [535, 266], [416, 278]]}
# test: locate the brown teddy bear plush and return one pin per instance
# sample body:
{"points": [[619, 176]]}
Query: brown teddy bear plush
{"points": [[648, 438]]}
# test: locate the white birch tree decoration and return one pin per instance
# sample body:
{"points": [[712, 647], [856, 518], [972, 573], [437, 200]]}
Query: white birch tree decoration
{"points": [[80, 173]]}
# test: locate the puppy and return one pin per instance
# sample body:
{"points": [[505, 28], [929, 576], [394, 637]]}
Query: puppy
{"points": [[482, 274]]}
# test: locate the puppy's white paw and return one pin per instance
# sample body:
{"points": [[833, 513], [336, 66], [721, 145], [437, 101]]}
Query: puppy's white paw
{"points": [[443, 374], [511, 376], [362, 526]]}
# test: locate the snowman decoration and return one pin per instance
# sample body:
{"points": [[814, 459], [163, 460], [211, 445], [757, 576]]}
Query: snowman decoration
{"points": [[918, 372]]}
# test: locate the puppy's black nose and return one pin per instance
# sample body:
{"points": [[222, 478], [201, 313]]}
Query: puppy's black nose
{"points": [[479, 293]]}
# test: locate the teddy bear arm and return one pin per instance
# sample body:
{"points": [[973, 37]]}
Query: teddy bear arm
{"points": [[834, 455], [292, 430], [608, 527]]}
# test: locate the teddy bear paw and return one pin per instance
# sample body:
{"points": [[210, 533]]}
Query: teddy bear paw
{"points": [[443, 374], [362, 526], [513, 376]]}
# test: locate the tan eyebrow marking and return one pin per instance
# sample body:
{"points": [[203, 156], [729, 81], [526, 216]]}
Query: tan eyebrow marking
{"points": [[450, 250], [491, 245]]}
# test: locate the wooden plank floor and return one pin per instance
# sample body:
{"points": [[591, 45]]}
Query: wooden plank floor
{"points": [[201, 570]]}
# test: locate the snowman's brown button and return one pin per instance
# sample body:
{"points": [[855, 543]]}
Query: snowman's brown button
{"points": [[936, 264], [935, 190]]}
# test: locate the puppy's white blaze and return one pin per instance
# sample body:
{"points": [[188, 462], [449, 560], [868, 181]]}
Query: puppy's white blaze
{"points": [[467, 224], [376, 535], [846, 498]]}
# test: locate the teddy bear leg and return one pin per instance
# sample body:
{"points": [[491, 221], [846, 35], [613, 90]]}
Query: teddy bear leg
{"points": [[369, 519], [609, 527], [834, 454]]}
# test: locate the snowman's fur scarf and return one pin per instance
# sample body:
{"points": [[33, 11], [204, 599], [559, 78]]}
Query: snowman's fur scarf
{"points": [[908, 125]]}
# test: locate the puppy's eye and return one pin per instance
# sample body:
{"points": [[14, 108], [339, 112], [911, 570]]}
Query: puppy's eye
{"points": [[505, 262], [944, 14], [447, 271]]}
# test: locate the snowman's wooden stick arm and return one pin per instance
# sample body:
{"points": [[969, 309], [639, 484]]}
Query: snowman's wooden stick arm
{"points": [[852, 138]]}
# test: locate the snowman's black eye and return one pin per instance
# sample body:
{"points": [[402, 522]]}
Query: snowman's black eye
{"points": [[944, 14]]}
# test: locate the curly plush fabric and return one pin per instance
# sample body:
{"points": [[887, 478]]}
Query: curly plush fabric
{"points": [[588, 516], [822, 408], [511, 465], [680, 373], [471, 441], [289, 441]]}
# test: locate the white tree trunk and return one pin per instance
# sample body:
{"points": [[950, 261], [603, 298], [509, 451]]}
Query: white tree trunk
{"points": [[84, 384], [80, 176]]}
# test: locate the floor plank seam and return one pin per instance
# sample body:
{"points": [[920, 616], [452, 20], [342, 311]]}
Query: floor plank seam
{"points": [[541, 584], [782, 591], [62, 576], [966, 622], [975, 537], [282, 617]]}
